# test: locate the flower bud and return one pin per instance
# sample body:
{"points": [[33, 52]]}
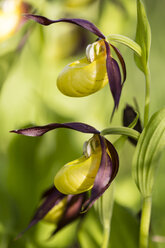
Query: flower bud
{"points": [[129, 114]]}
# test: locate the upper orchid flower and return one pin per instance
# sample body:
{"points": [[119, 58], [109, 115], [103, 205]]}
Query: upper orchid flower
{"points": [[88, 75], [11, 17], [95, 170]]}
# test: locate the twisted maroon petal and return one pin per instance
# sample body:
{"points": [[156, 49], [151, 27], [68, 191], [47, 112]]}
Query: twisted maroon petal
{"points": [[72, 211], [120, 57], [51, 199], [114, 77], [115, 159], [107, 171], [40, 130], [79, 22]]}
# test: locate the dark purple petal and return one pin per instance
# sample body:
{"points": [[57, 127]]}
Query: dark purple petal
{"points": [[114, 157], [48, 192], [40, 130], [72, 211], [120, 57], [106, 173], [114, 76], [80, 22], [129, 115], [51, 199]]}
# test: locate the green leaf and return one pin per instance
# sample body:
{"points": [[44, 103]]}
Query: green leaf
{"points": [[143, 36], [104, 208], [147, 153], [125, 228], [90, 234]]}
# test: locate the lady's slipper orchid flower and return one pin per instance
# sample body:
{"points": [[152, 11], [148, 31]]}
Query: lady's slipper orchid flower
{"points": [[11, 17], [90, 74], [95, 170], [57, 208]]}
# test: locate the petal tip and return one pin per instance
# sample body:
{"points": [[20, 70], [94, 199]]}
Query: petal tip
{"points": [[13, 131]]}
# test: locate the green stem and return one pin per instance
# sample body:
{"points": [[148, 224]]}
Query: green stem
{"points": [[145, 222], [121, 131], [125, 41], [104, 209], [147, 96], [106, 237]]}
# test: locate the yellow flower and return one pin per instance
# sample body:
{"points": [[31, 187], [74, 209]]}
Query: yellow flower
{"points": [[79, 175], [87, 75], [55, 214], [11, 17], [90, 74], [94, 171]]}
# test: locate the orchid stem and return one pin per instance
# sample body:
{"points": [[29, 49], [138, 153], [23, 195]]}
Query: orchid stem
{"points": [[106, 237], [104, 208], [145, 222], [121, 131], [147, 96], [125, 41]]}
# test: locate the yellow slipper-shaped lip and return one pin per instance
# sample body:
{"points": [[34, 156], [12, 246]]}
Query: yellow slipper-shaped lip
{"points": [[87, 75], [78, 176]]}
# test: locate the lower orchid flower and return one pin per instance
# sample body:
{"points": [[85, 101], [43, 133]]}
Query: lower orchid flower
{"points": [[88, 75], [93, 171], [58, 209]]}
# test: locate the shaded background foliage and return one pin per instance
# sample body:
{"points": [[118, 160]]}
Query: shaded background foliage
{"points": [[29, 96]]}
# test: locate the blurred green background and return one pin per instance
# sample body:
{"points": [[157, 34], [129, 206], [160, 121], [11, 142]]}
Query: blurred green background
{"points": [[29, 96]]}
